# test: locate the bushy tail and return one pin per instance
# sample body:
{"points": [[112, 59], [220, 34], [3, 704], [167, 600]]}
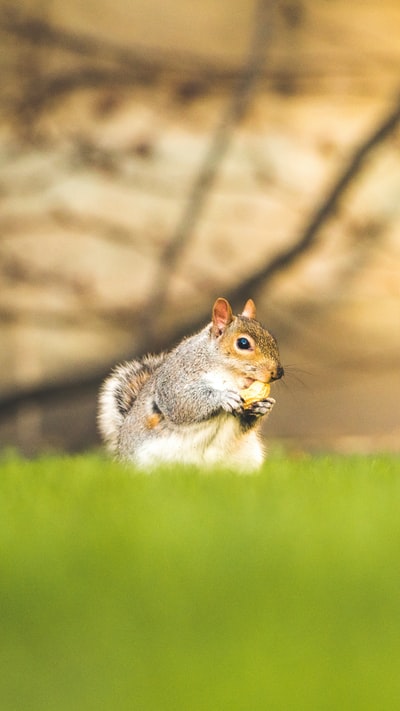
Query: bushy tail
{"points": [[118, 393]]}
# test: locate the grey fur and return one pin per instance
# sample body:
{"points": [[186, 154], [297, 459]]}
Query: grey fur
{"points": [[184, 398]]}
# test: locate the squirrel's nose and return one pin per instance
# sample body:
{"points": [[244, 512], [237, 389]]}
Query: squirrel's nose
{"points": [[277, 373]]}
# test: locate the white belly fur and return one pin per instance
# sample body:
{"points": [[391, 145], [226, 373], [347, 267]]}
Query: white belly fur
{"points": [[217, 442]]}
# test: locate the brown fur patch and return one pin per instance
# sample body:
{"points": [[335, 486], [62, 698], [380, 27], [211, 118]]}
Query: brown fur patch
{"points": [[153, 420]]}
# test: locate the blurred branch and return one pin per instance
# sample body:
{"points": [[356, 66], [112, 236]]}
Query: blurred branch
{"points": [[103, 63], [220, 141], [51, 392], [143, 63], [328, 206]]}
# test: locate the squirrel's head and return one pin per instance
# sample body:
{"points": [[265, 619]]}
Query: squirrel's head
{"points": [[250, 350]]}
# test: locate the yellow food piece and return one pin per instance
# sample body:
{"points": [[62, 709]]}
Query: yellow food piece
{"points": [[255, 392]]}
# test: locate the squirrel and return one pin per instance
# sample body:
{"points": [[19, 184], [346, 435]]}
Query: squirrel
{"points": [[185, 405]]}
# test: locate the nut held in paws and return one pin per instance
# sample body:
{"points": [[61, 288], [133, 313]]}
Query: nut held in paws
{"points": [[255, 392]]}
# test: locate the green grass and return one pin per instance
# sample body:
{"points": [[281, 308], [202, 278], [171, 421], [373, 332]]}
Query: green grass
{"points": [[181, 591]]}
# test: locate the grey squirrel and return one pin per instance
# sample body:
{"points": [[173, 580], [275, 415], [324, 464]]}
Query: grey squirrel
{"points": [[188, 405]]}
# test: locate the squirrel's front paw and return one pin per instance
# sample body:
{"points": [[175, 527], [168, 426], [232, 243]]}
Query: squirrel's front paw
{"points": [[261, 408], [231, 401]]}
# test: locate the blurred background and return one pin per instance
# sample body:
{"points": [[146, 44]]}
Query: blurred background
{"points": [[155, 156]]}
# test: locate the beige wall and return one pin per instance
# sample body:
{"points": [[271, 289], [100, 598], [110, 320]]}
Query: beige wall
{"points": [[95, 182]]}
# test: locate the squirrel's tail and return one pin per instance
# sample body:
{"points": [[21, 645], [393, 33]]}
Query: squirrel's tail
{"points": [[118, 393]]}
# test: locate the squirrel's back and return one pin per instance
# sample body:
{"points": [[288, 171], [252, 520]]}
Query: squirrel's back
{"points": [[118, 393]]}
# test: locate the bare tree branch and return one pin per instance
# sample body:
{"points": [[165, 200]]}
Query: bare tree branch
{"points": [[142, 62], [51, 392], [218, 148], [325, 210], [104, 63]]}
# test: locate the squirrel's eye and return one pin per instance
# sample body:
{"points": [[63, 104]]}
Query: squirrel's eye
{"points": [[243, 344]]}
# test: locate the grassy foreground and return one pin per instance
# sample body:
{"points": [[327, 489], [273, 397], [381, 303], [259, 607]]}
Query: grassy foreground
{"points": [[181, 591]]}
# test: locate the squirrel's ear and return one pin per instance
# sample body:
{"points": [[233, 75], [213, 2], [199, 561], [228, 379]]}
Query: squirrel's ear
{"points": [[249, 310], [221, 316]]}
